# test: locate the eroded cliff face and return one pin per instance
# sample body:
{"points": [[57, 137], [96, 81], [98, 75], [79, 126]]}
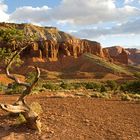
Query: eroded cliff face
{"points": [[118, 54], [92, 47], [133, 56], [53, 44]]}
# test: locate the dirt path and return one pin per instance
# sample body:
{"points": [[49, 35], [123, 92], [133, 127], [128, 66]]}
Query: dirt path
{"points": [[77, 119]]}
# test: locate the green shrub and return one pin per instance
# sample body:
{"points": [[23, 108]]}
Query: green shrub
{"points": [[6, 55], [77, 85], [131, 87], [65, 85], [30, 77], [51, 86], [2, 87], [111, 84], [38, 87], [92, 85], [14, 88], [123, 88], [137, 75], [103, 89]]}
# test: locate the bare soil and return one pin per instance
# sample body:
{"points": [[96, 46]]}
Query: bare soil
{"points": [[73, 118]]}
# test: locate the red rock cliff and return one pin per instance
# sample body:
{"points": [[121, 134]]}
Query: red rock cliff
{"points": [[133, 56], [118, 54], [54, 44]]}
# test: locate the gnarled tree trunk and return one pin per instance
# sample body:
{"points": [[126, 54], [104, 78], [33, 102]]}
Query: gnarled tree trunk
{"points": [[20, 106]]}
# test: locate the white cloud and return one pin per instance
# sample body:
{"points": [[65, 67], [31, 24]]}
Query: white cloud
{"points": [[3, 12], [131, 1], [31, 14], [64, 22], [77, 12], [85, 12], [128, 1], [130, 28]]}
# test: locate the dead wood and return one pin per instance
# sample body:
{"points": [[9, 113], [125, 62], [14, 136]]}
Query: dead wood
{"points": [[20, 106]]}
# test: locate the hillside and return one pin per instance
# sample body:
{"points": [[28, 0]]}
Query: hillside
{"points": [[87, 66]]}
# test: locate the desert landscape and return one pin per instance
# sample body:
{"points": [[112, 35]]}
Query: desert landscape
{"points": [[70, 70], [82, 91]]}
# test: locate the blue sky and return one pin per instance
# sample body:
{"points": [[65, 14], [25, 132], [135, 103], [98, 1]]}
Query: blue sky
{"points": [[110, 22], [13, 4]]}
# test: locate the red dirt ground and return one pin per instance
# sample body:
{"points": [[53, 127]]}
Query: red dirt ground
{"points": [[76, 119], [5, 80]]}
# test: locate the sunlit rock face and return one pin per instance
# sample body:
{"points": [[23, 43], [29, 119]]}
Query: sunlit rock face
{"points": [[133, 56], [53, 44], [118, 54]]}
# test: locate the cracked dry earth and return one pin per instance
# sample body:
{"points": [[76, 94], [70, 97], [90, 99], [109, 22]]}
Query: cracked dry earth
{"points": [[72, 118]]}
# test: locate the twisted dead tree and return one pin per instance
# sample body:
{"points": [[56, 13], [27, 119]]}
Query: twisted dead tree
{"points": [[20, 106]]}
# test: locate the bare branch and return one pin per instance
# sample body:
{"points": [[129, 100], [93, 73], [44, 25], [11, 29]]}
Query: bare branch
{"points": [[11, 76], [14, 108], [29, 88], [36, 77]]}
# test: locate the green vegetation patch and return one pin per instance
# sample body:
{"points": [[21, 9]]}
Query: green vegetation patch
{"points": [[2, 87], [131, 87]]}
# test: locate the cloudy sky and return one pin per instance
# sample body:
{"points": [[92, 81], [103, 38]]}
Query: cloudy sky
{"points": [[111, 22]]}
